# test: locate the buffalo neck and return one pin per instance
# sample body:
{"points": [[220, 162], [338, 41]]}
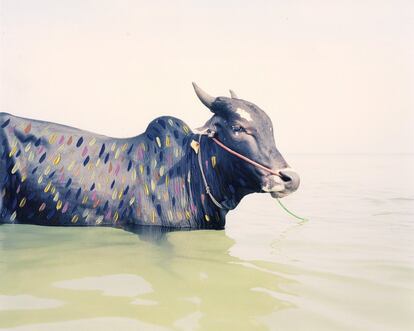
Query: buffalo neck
{"points": [[222, 172]]}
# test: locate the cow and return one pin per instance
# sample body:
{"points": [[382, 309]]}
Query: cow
{"points": [[169, 176]]}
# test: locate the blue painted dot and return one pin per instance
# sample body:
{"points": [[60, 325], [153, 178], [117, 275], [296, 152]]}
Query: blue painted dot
{"points": [[130, 149], [42, 158], [78, 193], [5, 123], [159, 210], [80, 141], [102, 150]]}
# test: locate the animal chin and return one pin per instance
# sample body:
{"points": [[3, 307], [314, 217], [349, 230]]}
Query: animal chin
{"points": [[275, 190], [278, 195]]}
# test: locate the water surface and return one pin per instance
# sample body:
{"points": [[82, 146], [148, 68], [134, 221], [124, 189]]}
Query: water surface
{"points": [[351, 267]]}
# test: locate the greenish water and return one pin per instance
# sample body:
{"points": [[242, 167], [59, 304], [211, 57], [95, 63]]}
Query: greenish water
{"points": [[351, 267]]}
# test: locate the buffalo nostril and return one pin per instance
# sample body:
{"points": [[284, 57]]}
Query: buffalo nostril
{"points": [[290, 178], [285, 177]]}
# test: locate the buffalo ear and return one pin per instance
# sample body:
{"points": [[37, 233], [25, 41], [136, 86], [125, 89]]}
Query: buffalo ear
{"points": [[233, 94], [205, 98]]}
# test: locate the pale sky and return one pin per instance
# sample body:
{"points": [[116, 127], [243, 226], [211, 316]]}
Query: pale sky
{"points": [[334, 76]]}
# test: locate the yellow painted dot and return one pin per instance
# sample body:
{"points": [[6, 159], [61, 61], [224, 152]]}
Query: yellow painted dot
{"points": [[47, 187], [52, 138], [13, 216], [117, 153], [47, 170], [158, 141], [141, 169], [40, 179], [99, 220], [13, 151], [92, 142], [57, 159], [116, 216], [207, 218], [75, 218], [146, 189], [167, 141], [15, 168], [22, 202], [71, 165], [27, 148], [59, 204], [213, 161]]}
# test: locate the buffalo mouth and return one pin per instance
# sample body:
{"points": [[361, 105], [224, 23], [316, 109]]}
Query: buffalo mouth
{"points": [[281, 185]]}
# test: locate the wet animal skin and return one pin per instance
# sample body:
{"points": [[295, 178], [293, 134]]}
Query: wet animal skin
{"points": [[56, 175]]}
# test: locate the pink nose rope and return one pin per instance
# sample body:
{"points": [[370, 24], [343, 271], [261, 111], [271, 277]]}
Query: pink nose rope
{"points": [[244, 158]]}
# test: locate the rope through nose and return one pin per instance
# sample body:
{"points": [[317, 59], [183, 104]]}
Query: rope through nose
{"points": [[244, 158]]}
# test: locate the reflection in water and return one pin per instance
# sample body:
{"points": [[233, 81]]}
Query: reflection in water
{"points": [[112, 285], [100, 272], [156, 234], [27, 302], [101, 324]]}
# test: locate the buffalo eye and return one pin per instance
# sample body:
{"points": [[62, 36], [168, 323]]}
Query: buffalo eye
{"points": [[238, 128]]}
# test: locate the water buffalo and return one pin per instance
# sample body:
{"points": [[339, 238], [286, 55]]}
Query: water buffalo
{"points": [[169, 176]]}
